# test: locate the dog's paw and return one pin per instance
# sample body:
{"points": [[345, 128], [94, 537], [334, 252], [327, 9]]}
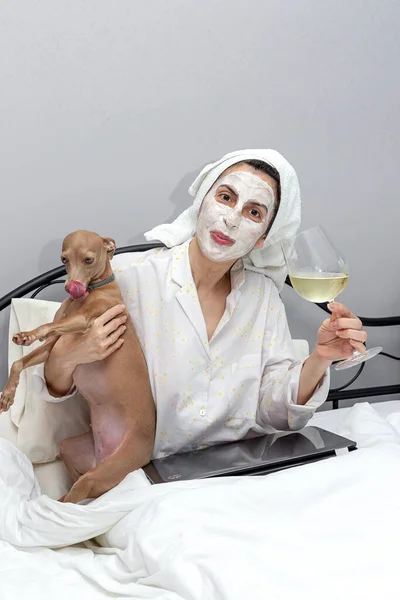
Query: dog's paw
{"points": [[7, 398], [24, 338]]}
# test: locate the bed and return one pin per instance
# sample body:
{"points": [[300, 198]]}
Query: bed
{"points": [[326, 529]]}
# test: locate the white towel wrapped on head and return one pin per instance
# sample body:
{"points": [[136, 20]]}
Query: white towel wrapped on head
{"points": [[269, 259]]}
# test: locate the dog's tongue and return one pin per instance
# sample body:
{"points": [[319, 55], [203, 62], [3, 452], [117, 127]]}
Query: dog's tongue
{"points": [[76, 290]]}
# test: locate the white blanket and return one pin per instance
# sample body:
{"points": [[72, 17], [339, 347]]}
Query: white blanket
{"points": [[329, 529]]}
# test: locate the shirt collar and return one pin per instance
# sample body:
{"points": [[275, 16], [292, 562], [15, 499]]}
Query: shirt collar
{"points": [[237, 274], [181, 272]]}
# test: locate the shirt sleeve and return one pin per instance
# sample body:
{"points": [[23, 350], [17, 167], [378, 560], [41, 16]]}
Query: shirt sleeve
{"points": [[277, 405], [40, 386]]}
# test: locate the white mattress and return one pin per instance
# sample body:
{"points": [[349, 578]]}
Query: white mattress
{"points": [[309, 532]]}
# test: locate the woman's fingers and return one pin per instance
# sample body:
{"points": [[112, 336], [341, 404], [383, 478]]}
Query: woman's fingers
{"points": [[346, 323], [113, 347], [111, 313], [341, 310], [111, 326], [358, 346], [113, 337], [352, 334]]}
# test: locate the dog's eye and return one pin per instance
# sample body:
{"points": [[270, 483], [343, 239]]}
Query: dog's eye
{"points": [[64, 260], [88, 260]]}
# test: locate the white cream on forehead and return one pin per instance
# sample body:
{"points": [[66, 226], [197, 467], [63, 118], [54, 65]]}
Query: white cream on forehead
{"points": [[229, 219], [248, 187]]}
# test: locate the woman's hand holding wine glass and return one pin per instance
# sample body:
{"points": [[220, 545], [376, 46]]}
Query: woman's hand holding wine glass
{"points": [[341, 335], [318, 273]]}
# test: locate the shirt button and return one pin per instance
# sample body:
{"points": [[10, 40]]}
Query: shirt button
{"points": [[202, 412]]}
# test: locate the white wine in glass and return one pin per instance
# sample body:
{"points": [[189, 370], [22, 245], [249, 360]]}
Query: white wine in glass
{"points": [[319, 274], [317, 287]]}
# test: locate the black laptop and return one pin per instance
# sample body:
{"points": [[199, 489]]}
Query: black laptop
{"points": [[255, 456]]}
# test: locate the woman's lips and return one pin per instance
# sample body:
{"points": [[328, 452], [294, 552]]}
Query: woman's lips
{"points": [[221, 239]]}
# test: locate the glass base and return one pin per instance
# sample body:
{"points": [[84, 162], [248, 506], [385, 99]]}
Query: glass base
{"points": [[357, 359]]}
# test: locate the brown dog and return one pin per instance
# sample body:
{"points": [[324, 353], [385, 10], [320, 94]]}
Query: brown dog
{"points": [[117, 388]]}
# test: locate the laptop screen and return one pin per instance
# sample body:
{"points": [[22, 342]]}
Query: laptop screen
{"points": [[249, 455]]}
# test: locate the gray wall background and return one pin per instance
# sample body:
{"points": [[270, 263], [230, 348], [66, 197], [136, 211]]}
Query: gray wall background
{"points": [[108, 110]]}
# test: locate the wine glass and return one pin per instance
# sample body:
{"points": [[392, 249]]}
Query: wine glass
{"points": [[318, 273]]}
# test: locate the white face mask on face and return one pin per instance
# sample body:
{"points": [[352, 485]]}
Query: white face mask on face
{"points": [[228, 226]]}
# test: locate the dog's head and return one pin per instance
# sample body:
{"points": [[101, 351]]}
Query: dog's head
{"points": [[86, 256]]}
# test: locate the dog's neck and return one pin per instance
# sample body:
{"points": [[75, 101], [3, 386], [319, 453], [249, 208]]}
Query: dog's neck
{"points": [[107, 273], [93, 286]]}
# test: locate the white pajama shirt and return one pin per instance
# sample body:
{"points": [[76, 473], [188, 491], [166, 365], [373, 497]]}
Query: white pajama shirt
{"points": [[241, 383]]}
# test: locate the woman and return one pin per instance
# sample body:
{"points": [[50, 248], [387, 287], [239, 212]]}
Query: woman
{"points": [[209, 317]]}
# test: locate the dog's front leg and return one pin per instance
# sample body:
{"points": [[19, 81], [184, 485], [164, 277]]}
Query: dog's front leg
{"points": [[79, 322], [36, 357]]}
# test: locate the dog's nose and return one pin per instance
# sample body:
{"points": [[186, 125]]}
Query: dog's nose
{"points": [[75, 289]]}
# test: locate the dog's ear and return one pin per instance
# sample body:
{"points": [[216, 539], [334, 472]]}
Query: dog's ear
{"points": [[109, 245]]}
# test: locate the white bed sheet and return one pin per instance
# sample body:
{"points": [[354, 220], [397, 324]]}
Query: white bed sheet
{"points": [[328, 529], [332, 419]]}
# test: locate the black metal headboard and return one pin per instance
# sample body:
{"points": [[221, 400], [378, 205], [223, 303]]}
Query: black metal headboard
{"points": [[37, 284]]}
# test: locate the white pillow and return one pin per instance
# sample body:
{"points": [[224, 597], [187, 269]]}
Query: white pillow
{"points": [[53, 477], [41, 425]]}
